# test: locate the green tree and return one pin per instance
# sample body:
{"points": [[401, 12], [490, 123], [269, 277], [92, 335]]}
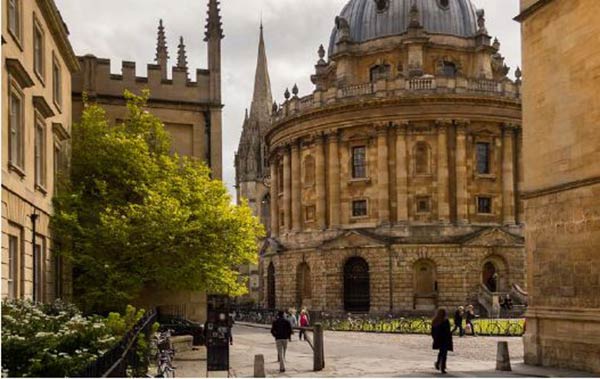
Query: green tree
{"points": [[135, 215]]}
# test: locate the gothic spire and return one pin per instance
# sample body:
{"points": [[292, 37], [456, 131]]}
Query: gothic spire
{"points": [[162, 54], [214, 26], [181, 55], [262, 99]]}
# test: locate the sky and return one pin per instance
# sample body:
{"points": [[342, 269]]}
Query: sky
{"points": [[294, 29]]}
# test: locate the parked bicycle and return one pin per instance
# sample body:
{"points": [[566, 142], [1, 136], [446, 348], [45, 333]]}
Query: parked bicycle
{"points": [[164, 353]]}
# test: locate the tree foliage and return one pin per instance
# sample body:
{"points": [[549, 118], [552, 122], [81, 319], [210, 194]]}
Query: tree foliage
{"points": [[135, 215]]}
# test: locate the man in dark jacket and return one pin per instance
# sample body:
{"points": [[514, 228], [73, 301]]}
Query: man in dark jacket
{"points": [[442, 338], [282, 331], [458, 321]]}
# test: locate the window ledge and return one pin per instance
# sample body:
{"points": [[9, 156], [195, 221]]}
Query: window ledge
{"points": [[485, 176], [18, 170], [423, 175], [16, 39], [41, 189], [57, 106], [359, 180]]}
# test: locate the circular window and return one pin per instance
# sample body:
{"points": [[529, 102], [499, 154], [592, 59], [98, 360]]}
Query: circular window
{"points": [[444, 4]]}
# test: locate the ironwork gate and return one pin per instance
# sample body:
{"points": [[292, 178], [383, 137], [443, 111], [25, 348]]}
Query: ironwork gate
{"points": [[357, 295]]}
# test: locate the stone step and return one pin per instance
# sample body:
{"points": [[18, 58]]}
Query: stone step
{"points": [[182, 343]]}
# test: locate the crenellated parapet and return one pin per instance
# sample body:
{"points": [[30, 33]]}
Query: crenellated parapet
{"points": [[96, 78]]}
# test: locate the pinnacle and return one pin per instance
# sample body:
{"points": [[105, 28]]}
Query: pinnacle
{"points": [[181, 55]]}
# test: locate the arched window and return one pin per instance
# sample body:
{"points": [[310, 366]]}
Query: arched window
{"points": [[449, 69], [422, 160], [271, 286], [381, 71], [494, 275], [425, 282], [303, 284], [309, 171], [357, 292]]}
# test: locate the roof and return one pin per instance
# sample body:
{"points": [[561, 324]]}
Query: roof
{"points": [[372, 19]]}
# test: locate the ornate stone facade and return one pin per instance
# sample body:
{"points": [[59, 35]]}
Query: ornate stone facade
{"points": [[394, 185], [251, 159], [562, 186], [37, 64]]}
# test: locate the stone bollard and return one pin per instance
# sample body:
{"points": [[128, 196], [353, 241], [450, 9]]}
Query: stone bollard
{"points": [[318, 348], [502, 357], [259, 366]]}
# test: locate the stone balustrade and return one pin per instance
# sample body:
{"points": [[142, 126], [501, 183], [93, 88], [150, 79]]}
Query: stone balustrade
{"points": [[397, 88]]}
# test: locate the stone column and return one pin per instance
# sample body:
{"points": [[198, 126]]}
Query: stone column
{"points": [[383, 174], [287, 190], [274, 199], [334, 181], [296, 188], [462, 192], [508, 176], [442, 172], [320, 182], [401, 173]]}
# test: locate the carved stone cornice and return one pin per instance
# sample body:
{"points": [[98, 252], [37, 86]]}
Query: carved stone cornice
{"points": [[443, 124], [382, 127], [401, 127], [462, 125]]}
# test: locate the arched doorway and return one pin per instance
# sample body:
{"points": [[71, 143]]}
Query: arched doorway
{"points": [[271, 286], [425, 285], [494, 274], [357, 293], [303, 284]]}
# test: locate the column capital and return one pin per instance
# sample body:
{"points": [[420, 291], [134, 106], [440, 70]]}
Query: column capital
{"points": [[382, 127], [319, 138], [295, 144], [443, 123], [462, 123], [510, 128], [401, 127], [332, 135]]}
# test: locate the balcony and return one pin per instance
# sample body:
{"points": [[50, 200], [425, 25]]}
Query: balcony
{"points": [[397, 88]]}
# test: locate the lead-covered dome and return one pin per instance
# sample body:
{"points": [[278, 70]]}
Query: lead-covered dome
{"points": [[364, 20]]}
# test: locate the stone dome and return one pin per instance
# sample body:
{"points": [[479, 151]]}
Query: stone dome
{"points": [[372, 19]]}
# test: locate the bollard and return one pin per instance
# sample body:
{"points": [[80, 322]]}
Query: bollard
{"points": [[259, 366], [318, 348], [502, 357]]}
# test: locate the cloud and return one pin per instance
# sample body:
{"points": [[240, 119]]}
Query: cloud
{"points": [[294, 29]]}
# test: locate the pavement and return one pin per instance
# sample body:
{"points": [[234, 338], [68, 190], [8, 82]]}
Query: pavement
{"points": [[349, 354]]}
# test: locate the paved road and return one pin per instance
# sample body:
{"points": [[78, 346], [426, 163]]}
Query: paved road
{"points": [[373, 355]]}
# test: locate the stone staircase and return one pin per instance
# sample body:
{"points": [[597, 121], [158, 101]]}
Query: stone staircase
{"points": [[489, 302]]}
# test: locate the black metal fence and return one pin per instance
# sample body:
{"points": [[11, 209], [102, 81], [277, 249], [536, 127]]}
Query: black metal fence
{"points": [[115, 362]]}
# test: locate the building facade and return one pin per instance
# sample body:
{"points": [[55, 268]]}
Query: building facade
{"points": [[37, 64], [561, 114], [190, 109], [251, 161], [394, 185]]}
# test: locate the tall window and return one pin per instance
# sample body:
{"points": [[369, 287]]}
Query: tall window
{"points": [[40, 153], [381, 71], [13, 254], [38, 269], [309, 171], [15, 150], [449, 69], [38, 50], [421, 159], [359, 162], [359, 208], [423, 204], [483, 158], [56, 83], [14, 18]]}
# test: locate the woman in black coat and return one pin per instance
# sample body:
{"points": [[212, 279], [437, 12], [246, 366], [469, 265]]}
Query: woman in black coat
{"points": [[442, 338]]}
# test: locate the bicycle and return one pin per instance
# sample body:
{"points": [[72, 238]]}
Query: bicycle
{"points": [[164, 354]]}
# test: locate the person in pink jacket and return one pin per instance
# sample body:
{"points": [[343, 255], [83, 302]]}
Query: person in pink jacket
{"points": [[304, 322]]}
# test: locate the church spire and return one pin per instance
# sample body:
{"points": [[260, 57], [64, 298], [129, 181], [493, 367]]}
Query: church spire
{"points": [[213, 35], [162, 54], [181, 55], [214, 26], [262, 99]]}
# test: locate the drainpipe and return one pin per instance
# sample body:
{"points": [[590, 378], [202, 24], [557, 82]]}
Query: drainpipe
{"points": [[34, 217]]}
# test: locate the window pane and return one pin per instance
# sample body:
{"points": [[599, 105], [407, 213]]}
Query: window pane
{"points": [[12, 16], [483, 158], [359, 169], [484, 205], [56, 83], [13, 253], [422, 159], [40, 149], [37, 273], [359, 208]]}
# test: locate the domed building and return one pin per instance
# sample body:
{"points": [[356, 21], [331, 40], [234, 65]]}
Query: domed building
{"points": [[394, 185]]}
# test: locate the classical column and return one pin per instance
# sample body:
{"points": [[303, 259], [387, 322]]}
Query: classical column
{"points": [[508, 176], [274, 198], [462, 194], [296, 188], [287, 190], [401, 173], [383, 173], [334, 181], [442, 172], [320, 182]]}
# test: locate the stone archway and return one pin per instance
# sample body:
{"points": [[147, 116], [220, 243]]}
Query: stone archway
{"points": [[425, 285], [357, 292], [494, 274], [303, 285], [271, 303]]}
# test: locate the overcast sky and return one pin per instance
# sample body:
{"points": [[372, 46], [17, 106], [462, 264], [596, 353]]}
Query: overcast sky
{"points": [[294, 29]]}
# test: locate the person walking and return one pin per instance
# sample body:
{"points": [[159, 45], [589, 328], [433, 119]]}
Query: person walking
{"points": [[458, 321], [469, 319], [442, 338], [281, 330], [303, 324], [291, 317]]}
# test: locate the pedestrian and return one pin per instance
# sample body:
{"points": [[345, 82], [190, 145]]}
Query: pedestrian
{"points": [[304, 323], [281, 331], [291, 317], [458, 321], [470, 316], [442, 338]]}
